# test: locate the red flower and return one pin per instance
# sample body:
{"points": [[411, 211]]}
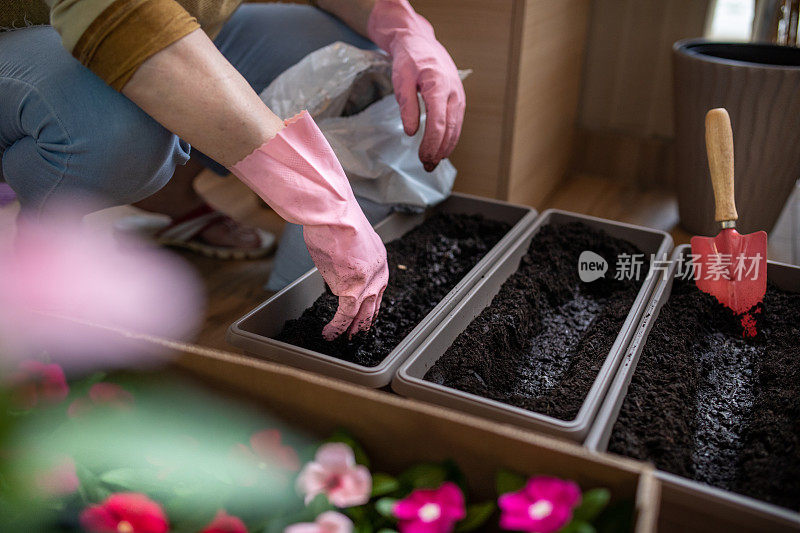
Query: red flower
{"points": [[37, 383], [107, 394], [543, 505], [225, 523], [267, 451], [431, 510], [125, 512]]}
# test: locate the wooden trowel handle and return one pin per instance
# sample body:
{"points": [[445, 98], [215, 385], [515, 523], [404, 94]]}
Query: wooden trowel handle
{"points": [[719, 145]]}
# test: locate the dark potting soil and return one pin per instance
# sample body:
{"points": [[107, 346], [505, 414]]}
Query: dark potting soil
{"points": [[424, 265], [707, 404], [543, 339]]}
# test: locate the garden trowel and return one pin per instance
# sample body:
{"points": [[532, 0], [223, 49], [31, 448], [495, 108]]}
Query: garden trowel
{"points": [[730, 266]]}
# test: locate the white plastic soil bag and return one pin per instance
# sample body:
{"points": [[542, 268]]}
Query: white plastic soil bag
{"points": [[348, 91]]}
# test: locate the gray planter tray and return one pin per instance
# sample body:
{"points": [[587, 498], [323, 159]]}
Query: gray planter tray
{"points": [[253, 332], [409, 379], [743, 511]]}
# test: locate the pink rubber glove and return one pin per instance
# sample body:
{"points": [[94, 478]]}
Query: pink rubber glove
{"points": [[299, 176], [420, 63]]}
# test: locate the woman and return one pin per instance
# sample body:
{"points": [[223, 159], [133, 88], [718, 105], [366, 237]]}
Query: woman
{"points": [[145, 81]]}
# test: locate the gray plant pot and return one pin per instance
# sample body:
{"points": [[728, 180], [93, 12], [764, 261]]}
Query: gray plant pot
{"points": [[732, 511], [410, 381], [254, 331], [759, 85]]}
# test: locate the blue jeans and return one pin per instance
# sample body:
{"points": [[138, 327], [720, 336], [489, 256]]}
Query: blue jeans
{"points": [[66, 135]]}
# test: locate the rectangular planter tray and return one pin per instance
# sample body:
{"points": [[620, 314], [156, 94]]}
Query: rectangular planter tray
{"points": [[409, 379], [253, 332], [744, 511]]}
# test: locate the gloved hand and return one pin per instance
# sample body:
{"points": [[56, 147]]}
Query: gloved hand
{"points": [[299, 176], [420, 62]]}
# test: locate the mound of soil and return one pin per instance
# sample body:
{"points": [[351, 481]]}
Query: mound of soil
{"points": [[543, 339], [707, 404], [424, 265]]}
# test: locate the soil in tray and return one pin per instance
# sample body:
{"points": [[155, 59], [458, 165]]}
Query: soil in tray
{"points": [[706, 404], [543, 339], [424, 265]]}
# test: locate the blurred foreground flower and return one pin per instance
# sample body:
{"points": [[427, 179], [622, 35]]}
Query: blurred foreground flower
{"points": [[543, 505], [100, 394], [125, 513], [60, 479], [334, 472], [36, 383], [165, 459], [60, 276], [225, 523], [431, 510], [327, 522], [266, 452]]}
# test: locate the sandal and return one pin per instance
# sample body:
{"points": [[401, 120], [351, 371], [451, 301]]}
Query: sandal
{"points": [[186, 232]]}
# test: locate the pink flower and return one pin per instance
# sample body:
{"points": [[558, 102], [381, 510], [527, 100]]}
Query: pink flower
{"points": [[266, 451], [36, 383], [61, 275], [225, 523], [334, 472], [107, 394], [328, 522], [431, 510], [59, 480], [125, 512], [545, 504]]}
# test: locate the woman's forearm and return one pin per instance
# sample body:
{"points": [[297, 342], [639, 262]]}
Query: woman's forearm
{"points": [[191, 89]]}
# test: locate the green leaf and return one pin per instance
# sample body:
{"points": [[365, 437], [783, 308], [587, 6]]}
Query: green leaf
{"points": [[340, 435], [387, 530], [455, 474], [191, 512], [138, 480], [124, 478], [383, 484], [616, 517], [577, 526], [477, 515], [91, 488], [385, 506], [319, 505], [424, 475], [357, 514], [592, 504], [506, 481], [363, 527]]}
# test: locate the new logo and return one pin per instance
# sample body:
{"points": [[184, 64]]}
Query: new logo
{"points": [[591, 266]]}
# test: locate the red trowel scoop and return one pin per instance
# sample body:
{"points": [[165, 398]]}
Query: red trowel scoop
{"points": [[730, 266]]}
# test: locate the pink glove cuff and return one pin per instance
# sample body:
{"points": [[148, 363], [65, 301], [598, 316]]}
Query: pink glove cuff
{"points": [[298, 175], [392, 18]]}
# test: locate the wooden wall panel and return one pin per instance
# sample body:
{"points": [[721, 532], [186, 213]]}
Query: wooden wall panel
{"points": [[548, 85], [477, 34], [628, 75], [626, 114]]}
